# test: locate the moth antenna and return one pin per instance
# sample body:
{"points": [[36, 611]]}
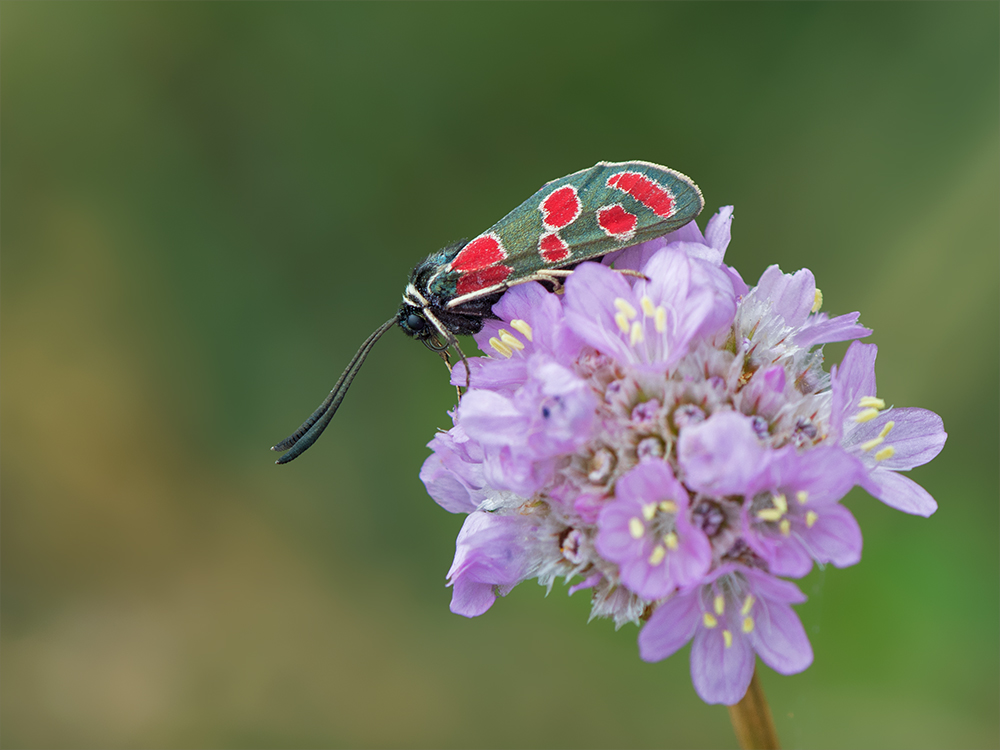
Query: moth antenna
{"points": [[312, 428]]}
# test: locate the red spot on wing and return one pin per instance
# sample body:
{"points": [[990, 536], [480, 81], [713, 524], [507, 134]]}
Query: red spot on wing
{"points": [[483, 251], [552, 248], [616, 221], [648, 192], [482, 278], [560, 208]]}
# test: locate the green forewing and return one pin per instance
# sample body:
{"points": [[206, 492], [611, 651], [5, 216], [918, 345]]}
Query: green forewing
{"points": [[616, 205]]}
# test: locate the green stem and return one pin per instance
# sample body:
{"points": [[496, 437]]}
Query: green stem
{"points": [[752, 720]]}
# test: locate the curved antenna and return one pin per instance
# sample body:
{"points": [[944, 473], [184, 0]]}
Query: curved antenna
{"points": [[312, 428]]}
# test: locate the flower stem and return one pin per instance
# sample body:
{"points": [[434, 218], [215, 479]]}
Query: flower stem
{"points": [[752, 721]]}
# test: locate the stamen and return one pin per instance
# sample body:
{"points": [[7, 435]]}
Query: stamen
{"points": [[660, 319], [624, 307], [668, 506], [636, 335], [510, 339], [727, 637], [747, 604], [747, 624], [785, 526], [719, 604], [887, 429], [887, 452], [658, 554], [769, 514], [648, 308], [802, 496], [671, 540], [648, 511], [635, 528], [817, 301], [864, 415], [780, 502], [501, 347], [709, 620], [621, 319], [867, 446], [811, 517], [522, 327], [870, 402]]}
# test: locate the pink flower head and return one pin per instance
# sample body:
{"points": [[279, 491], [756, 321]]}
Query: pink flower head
{"points": [[672, 445]]}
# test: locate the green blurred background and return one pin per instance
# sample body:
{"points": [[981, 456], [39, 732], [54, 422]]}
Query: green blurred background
{"points": [[207, 207]]}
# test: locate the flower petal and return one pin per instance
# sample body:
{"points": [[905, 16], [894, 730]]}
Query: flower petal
{"points": [[721, 455], [917, 436], [820, 330], [670, 627], [718, 231], [779, 638], [721, 673], [835, 537], [853, 379], [489, 556], [589, 301], [901, 493]]}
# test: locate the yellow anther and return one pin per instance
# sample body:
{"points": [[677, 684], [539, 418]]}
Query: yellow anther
{"points": [[817, 301], [671, 540], [769, 514], [870, 402], [510, 339], [780, 503], [785, 526], [621, 320], [747, 624], [660, 319], [623, 306], [709, 620], [727, 637], [747, 605], [635, 528], [657, 556], [522, 327], [719, 604], [501, 347], [636, 336], [887, 452], [811, 517], [868, 445], [648, 511], [887, 429], [648, 308], [802, 496], [864, 415], [668, 506]]}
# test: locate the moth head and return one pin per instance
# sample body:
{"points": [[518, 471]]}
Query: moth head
{"points": [[413, 322]]}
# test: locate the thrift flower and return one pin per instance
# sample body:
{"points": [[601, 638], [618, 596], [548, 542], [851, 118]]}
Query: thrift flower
{"points": [[672, 443]]}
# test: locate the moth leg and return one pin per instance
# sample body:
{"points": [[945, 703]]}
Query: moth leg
{"points": [[447, 363], [630, 272], [465, 361], [551, 276]]}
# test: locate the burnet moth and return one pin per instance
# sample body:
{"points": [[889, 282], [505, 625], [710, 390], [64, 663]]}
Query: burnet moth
{"points": [[579, 217]]}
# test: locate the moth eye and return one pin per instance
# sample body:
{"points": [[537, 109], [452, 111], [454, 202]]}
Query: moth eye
{"points": [[414, 322]]}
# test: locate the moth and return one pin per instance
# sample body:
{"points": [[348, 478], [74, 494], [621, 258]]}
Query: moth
{"points": [[582, 216]]}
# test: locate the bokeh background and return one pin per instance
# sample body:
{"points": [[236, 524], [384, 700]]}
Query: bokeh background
{"points": [[207, 207]]}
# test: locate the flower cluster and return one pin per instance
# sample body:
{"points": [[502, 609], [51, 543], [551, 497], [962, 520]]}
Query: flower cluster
{"points": [[670, 437]]}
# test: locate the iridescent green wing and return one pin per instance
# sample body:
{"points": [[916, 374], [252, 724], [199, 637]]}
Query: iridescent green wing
{"points": [[578, 217]]}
